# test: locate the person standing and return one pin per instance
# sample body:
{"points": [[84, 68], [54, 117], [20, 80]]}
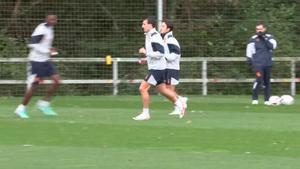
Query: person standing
{"points": [[154, 53], [40, 66], [259, 55]]}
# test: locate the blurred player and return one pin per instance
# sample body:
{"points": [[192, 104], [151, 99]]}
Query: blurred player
{"points": [[172, 55], [156, 61], [259, 55], [40, 66]]}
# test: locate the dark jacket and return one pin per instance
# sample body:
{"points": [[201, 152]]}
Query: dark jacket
{"points": [[260, 50]]}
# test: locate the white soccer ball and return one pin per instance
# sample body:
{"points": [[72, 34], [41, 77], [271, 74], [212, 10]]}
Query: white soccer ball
{"points": [[275, 100], [286, 100]]}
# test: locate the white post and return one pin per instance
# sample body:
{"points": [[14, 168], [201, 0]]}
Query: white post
{"points": [[293, 78], [204, 77], [115, 77], [160, 9]]}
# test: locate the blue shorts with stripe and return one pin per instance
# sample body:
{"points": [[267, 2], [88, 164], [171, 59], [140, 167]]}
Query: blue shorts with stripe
{"points": [[156, 77], [172, 77]]}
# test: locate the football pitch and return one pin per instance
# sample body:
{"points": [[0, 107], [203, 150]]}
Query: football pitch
{"points": [[97, 132]]}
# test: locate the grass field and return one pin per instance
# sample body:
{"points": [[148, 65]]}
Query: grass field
{"points": [[219, 132]]}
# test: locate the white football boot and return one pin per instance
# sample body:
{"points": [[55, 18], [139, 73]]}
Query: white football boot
{"points": [[142, 117], [184, 106], [254, 101]]}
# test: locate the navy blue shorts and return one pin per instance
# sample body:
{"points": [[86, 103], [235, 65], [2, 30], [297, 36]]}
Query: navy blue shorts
{"points": [[42, 69], [156, 77], [172, 76], [36, 71]]}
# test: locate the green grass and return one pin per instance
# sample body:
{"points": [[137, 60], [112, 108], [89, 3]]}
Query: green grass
{"points": [[219, 132]]}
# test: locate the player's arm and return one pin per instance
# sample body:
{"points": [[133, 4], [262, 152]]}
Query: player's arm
{"points": [[35, 43], [36, 39], [270, 42], [250, 51], [157, 47], [158, 51], [174, 51], [143, 60]]}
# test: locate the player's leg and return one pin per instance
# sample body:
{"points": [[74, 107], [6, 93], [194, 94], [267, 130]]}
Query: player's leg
{"points": [[44, 104], [169, 84], [169, 77], [183, 99], [172, 80], [54, 86], [21, 109], [163, 77], [28, 94], [173, 97], [171, 87], [257, 85], [32, 82], [144, 91], [267, 84], [168, 93]]}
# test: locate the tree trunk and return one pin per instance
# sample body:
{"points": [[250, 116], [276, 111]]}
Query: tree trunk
{"points": [[15, 12]]}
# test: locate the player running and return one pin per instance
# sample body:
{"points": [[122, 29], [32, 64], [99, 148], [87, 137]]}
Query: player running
{"points": [[172, 55], [40, 66], [154, 52]]}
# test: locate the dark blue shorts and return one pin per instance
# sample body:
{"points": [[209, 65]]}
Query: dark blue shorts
{"points": [[172, 76], [156, 77], [41, 69], [36, 71]]}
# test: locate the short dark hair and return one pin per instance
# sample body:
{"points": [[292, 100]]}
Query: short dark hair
{"points": [[50, 13], [151, 20], [169, 24], [261, 23]]}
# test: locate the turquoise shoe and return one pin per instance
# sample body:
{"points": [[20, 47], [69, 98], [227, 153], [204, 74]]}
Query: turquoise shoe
{"points": [[47, 110], [22, 114]]}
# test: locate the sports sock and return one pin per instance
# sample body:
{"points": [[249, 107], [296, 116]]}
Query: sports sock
{"points": [[21, 107], [43, 103], [178, 103], [146, 110]]}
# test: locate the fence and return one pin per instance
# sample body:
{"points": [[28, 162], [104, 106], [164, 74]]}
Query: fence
{"points": [[204, 28], [203, 75]]}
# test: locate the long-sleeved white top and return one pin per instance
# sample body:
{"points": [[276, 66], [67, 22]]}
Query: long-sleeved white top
{"points": [[155, 50], [40, 43], [172, 51]]}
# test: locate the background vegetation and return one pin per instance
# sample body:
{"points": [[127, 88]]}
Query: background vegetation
{"points": [[95, 28]]}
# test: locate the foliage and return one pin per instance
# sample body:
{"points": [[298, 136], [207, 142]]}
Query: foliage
{"points": [[11, 47], [206, 28], [93, 28]]}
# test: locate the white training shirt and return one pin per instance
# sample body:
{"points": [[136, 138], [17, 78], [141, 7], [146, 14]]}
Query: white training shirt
{"points": [[41, 42], [172, 51], [155, 50]]}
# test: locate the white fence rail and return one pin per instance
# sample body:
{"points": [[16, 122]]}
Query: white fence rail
{"points": [[204, 80]]}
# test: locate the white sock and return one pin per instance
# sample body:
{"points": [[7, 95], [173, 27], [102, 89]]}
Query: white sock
{"points": [[178, 103], [43, 103], [146, 110], [21, 107]]}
